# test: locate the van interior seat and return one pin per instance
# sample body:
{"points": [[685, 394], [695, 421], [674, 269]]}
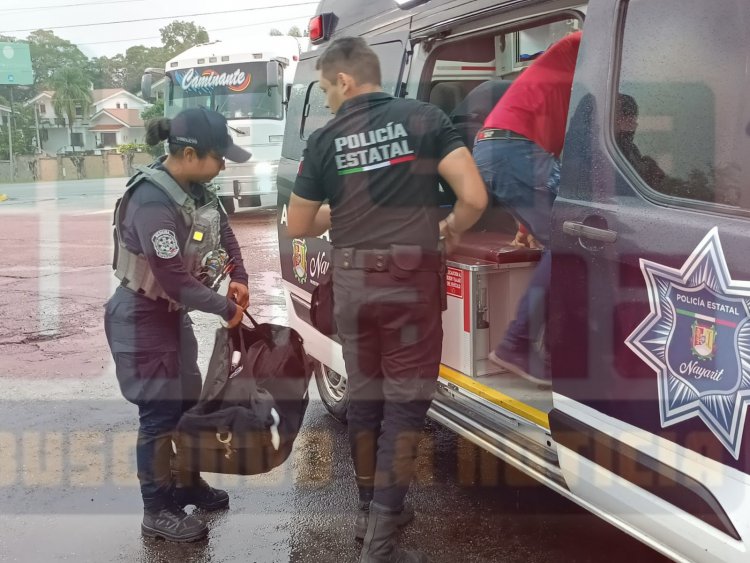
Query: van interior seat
{"points": [[493, 247], [468, 116], [446, 95]]}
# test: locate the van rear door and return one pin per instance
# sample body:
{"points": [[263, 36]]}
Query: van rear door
{"points": [[650, 289], [304, 261]]}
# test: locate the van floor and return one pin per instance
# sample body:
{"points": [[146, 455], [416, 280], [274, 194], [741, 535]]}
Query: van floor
{"points": [[519, 389]]}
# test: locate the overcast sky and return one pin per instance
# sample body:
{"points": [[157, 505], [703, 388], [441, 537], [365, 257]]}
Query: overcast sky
{"points": [[255, 17]]}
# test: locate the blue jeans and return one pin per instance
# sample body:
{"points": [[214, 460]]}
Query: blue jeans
{"points": [[155, 353], [524, 178]]}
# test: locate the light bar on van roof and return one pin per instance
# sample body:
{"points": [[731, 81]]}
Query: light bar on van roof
{"points": [[406, 4]]}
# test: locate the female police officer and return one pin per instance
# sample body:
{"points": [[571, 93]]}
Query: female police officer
{"points": [[172, 242]]}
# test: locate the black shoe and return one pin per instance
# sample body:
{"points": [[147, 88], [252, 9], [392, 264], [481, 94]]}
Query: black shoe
{"points": [[380, 540], [363, 516], [202, 496], [173, 524]]}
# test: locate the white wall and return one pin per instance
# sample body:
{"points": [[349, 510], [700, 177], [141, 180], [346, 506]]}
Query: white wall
{"points": [[49, 110], [58, 138], [132, 135], [122, 99]]}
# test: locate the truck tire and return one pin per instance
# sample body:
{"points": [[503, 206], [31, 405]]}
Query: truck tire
{"points": [[333, 390], [228, 203]]}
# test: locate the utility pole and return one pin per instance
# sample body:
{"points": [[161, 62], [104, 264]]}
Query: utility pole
{"points": [[10, 137], [36, 122], [10, 145]]}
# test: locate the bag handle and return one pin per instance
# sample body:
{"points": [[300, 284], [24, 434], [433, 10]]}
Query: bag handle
{"points": [[252, 320]]}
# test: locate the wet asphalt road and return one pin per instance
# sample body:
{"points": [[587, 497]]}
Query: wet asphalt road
{"points": [[67, 484]]}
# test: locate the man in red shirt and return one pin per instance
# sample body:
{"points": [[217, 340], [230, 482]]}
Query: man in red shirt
{"points": [[517, 152]]}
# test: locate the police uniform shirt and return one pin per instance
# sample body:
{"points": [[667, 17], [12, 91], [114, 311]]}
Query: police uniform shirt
{"points": [[150, 211], [376, 163]]}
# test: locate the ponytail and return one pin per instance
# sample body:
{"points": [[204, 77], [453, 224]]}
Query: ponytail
{"points": [[157, 130]]}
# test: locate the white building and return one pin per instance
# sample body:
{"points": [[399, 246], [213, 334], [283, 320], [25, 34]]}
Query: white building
{"points": [[4, 115], [112, 119]]}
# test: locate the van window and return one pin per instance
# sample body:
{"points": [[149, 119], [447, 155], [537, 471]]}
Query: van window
{"points": [[316, 112], [293, 144], [681, 116]]}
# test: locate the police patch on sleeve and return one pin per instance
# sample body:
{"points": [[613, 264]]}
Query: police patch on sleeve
{"points": [[697, 340], [165, 244]]}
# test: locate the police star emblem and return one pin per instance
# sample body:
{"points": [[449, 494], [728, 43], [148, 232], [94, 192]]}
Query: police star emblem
{"points": [[697, 340]]}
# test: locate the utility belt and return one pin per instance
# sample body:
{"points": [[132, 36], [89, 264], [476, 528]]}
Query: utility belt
{"points": [[169, 305], [492, 134], [398, 259]]}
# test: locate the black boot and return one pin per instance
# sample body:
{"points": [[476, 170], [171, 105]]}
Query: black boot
{"points": [[201, 494], [171, 523], [363, 516], [380, 539]]}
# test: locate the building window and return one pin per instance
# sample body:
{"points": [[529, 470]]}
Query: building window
{"points": [[125, 105], [42, 109], [76, 139], [109, 139], [678, 117], [118, 105], [79, 110]]}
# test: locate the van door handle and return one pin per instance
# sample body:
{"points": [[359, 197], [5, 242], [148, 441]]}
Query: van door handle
{"points": [[585, 231]]}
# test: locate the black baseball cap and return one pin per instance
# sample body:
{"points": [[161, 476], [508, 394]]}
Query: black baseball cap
{"points": [[205, 129]]}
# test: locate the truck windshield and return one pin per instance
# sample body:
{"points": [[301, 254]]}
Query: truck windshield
{"points": [[237, 91]]}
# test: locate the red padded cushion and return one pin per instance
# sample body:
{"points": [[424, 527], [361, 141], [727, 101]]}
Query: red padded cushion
{"points": [[493, 247]]}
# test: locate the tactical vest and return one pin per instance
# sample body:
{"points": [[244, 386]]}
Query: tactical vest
{"points": [[202, 245]]}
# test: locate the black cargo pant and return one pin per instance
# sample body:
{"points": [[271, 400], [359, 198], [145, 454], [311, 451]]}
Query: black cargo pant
{"points": [[391, 333], [155, 353]]}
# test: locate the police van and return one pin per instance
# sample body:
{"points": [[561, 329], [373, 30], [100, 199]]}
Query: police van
{"points": [[648, 328]]}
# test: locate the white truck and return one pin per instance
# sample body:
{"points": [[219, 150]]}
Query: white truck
{"points": [[247, 81]]}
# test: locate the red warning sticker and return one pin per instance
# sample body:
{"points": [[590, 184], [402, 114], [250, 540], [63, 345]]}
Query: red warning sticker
{"points": [[454, 282]]}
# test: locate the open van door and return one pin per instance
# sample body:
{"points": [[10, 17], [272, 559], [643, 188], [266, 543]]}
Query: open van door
{"points": [[650, 293]]}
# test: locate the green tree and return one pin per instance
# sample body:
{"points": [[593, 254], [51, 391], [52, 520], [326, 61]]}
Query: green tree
{"points": [[136, 60], [72, 93], [153, 112], [294, 31], [108, 72], [50, 53], [181, 35], [275, 32], [24, 132]]}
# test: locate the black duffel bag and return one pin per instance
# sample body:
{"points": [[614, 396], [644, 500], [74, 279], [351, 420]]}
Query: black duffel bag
{"points": [[252, 405]]}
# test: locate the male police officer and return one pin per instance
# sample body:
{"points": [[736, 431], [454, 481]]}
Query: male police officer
{"points": [[377, 163], [172, 240]]}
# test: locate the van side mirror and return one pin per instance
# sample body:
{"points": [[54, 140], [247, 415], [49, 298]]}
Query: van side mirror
{"points": [[272, 74], [287, 93], [146, 81]]}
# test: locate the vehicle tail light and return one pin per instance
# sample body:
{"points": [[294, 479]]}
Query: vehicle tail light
{"points": [[321, 27]]}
